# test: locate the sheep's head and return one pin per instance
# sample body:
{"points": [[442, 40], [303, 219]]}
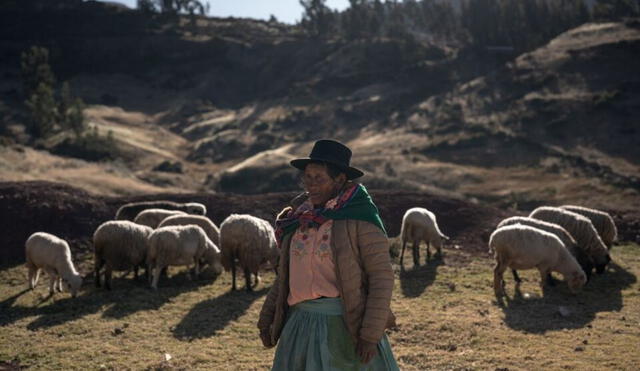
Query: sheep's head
{"points": [[212, 257], [73, 284], [577, 279], [603, 264]]}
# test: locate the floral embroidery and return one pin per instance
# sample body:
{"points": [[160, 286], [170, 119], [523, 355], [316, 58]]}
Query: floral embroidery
{"points": [[323, 251], [298, 250]]}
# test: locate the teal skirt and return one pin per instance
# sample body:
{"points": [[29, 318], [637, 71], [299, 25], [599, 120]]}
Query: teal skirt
{"points": [[315, 337]]}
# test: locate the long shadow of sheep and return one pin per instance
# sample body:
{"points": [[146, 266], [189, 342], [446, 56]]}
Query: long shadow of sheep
{"points": [[414, 281], [210, 316], [127, 297], [541, 314]]}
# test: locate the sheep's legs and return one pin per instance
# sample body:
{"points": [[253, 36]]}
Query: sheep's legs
{"points": [[98, 266], [404, 244], [34, 274], [498, 280], [108, 272], [59, 284], [54, 278], [156, 276], [233, 275], [416, 253], [544, 275], [247, 279], [515, 276], [258, 280], [428, 253]]}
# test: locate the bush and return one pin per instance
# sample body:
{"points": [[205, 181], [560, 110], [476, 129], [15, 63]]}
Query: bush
{"points": [[89, 146]]}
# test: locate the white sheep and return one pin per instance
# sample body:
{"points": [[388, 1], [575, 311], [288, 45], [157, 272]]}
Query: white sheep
{"points": [[581, 229], [51, 254], [251, 242], [153, 217], [119, 245], [560, 232], [131, 210], [522, 247], [602, 222], [212, 230], [419, 224], [181, 245]]}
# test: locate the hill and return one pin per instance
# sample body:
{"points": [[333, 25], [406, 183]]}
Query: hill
{"points": [[222, 104]]}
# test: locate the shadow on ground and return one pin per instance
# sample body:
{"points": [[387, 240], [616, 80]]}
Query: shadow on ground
{"points": [[415, 280], [541, 314], [210, 316], [127, 297]]}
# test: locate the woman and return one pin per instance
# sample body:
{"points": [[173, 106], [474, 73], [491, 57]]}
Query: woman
{"points": [[329, 305]]}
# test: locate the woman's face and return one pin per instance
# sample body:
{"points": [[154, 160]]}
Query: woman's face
{"points": [[320, 186]]}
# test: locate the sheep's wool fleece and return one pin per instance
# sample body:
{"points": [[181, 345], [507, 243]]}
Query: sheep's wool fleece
{"points": [[580, 228], [121, 243], [212, 231], [247, 237], [560, 232], [602, 221], [46, 250], [176, 245], [527, 247]]}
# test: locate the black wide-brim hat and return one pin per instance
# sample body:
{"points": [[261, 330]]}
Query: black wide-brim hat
{"points": [[331, 152]]}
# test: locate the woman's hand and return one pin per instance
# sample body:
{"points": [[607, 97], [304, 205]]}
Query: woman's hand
{"points": [[265, 336], [366, 350]]}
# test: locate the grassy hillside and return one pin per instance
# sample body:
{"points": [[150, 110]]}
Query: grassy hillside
{"points": [[447, 319]]}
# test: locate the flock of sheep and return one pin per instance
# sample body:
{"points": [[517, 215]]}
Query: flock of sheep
{"points": [[571, 240], [155, 235]]}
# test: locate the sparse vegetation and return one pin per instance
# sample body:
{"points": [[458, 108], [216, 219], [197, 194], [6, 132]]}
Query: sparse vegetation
{"points": [[447, 317]]}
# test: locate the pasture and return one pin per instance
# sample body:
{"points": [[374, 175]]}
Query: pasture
{"points": [[447, 316]]}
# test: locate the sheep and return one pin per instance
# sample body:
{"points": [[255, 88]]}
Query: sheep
{"points": [[131, 210], [119, 245], [523, 247], [153, 217], [581, 229], [419, 224], [181, 245], [249, 240], [212, 230], [51, 254], [561, 233], [602, 222]]}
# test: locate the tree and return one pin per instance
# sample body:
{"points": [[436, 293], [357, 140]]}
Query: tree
{"points": [[317, 18], [35, 70], [42, 109], [615, 9]]}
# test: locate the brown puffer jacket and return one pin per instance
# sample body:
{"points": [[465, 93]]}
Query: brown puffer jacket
{"points": [[365, 281]]}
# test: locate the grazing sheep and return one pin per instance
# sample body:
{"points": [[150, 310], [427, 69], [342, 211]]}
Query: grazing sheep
{"points": [[581, 229], [419, 224], [181, 245], [131, 210], [249, 240], [51, 254], [119, 245], [602, 222], [561, 233], [153, 217], [212, 230], [523, 247]]}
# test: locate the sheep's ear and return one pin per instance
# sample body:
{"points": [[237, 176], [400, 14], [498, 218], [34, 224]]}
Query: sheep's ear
{"points": [[445, 237]]}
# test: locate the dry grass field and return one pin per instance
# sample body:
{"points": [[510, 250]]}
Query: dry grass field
{"points": [[447, 319]]}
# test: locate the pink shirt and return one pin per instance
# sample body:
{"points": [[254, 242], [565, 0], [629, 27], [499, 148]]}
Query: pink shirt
{"points": [[311, 267]]}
